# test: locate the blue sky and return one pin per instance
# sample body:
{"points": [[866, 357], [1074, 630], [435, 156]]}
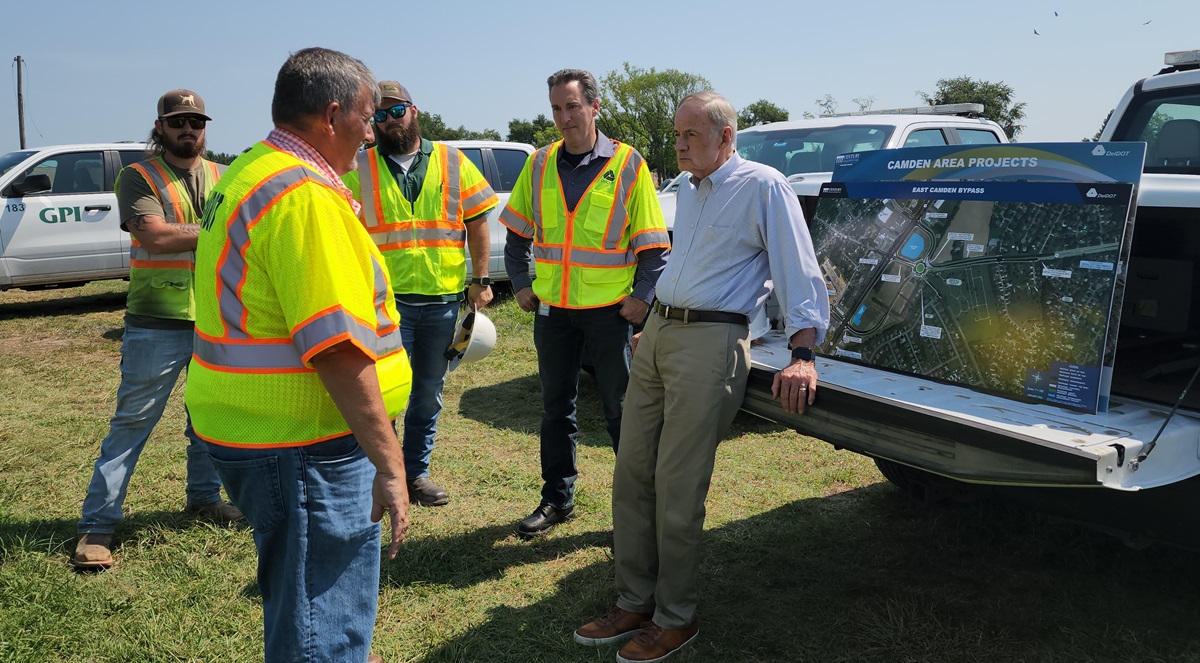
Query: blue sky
{"points": [[95, 70]]}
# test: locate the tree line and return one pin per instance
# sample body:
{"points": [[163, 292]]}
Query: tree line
{"points": [[637, 106]]}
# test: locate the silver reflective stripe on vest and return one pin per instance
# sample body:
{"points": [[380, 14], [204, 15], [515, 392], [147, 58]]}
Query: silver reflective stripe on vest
{"points": [[233, 268], [278, 355], [382, 294], [620, 213], [649, 238], [585, 257], [334, 324], [539, 172], [453, 182], [366, 188]]}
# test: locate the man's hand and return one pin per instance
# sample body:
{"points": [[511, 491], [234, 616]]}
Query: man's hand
{"points": [[389, 494], [796, 386], [633, 309], [479, 296], [527, 300], [633, 342]]}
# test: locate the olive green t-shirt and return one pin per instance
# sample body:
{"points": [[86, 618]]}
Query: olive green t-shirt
{"points": [[136, 197]]}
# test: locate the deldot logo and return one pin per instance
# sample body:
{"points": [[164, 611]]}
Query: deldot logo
{"points": [[1100, 151], [1093, 193]]}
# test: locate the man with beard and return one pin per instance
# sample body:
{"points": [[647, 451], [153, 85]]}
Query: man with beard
{"points": [[161, 202], [423, 203]]}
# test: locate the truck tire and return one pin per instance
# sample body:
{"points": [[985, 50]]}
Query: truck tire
{"points": [[920, 485]]}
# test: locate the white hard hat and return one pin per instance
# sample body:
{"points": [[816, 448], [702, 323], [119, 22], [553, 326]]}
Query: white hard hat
{"points": [[760, 325], [473, 340]]}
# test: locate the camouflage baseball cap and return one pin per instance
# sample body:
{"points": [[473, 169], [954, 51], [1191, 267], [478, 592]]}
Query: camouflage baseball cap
{"points": [[181, 102], [392, 93]]}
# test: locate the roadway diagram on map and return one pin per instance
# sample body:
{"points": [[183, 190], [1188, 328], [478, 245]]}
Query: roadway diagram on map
{"points": [[1008, 296]]}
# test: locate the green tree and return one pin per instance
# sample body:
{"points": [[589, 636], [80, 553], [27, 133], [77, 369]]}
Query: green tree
{"points": [[997, 99], [525, 131], [433, 127], [637, 106], [546, 136], [220, 157], [761, 112]]}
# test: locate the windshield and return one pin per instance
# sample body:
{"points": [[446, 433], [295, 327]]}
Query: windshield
{"points": [[13, 158], [812, 150], [1169, 123]]}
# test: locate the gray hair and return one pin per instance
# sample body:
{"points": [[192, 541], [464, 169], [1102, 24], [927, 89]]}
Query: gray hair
{"points": [[314, 77], [720, 112], [587, 82]]}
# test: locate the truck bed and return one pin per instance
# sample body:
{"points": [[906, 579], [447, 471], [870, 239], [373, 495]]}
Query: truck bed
{"points": [[977, 437]]}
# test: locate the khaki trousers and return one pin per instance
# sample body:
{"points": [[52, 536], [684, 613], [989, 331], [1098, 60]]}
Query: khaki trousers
{"points": [[686, 384]]}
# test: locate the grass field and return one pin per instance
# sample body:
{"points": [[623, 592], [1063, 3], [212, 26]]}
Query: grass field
{"points": [[808, 554]]}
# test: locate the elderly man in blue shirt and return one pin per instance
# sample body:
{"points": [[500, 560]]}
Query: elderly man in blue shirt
{"points": [[739, 230]]}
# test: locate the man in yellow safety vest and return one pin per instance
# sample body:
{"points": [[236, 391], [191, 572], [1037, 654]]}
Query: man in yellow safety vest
{"points": [[161, 201], [299, 371], [423, 203], [588, 207]]}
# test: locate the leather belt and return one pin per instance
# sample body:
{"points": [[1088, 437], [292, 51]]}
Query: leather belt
{"points": [[431, 299], [687, 315]]}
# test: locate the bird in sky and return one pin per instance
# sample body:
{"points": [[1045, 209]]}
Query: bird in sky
{"points": [[1037, 33], [1147, 22], [1056, 13]]}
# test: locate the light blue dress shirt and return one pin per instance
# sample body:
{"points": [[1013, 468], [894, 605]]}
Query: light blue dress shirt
{"points": [[738, 233]]}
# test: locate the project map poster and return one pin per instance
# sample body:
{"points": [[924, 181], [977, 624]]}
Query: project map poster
{"points": [[996, 267]]}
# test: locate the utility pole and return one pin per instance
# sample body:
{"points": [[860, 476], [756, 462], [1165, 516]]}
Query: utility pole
{"points": [[20, 103]]}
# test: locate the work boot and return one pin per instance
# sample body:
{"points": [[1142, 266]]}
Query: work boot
{"points": [[217, 512], [425, 492], [93, 552]]}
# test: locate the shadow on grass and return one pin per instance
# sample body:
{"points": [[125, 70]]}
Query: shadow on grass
{"points": [[866, 575], [58, 537], [109, 301]]}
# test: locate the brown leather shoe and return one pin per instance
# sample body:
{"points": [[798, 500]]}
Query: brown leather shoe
{"points": [[425, 492], [93, 552], [218, 512], [656, 643], [615, 627]]}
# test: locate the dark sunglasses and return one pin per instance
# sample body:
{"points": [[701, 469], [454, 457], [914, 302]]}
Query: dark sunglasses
{"points": [[195, 123], [396, 112]]}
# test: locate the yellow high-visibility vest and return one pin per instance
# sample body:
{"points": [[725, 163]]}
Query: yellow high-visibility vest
{"points": [[586, 258], [160, 284], [423, 242], [284, 270]]}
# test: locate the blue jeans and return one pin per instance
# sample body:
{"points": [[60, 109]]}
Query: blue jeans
{"points": [[559, 338], [318, 551], [426, 331], [151, 360]]}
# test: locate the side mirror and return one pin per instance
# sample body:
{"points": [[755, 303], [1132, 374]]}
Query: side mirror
{"points": [[31, 184]]}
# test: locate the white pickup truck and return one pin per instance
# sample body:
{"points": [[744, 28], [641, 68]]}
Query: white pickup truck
{"points": [[59, 225], [1134, 468]]}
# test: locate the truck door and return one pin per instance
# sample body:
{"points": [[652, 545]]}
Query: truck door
{"points": [[69, 229]]}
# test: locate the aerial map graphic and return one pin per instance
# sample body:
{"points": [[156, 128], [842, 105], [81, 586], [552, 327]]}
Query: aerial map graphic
{"points": [[995, 268]]}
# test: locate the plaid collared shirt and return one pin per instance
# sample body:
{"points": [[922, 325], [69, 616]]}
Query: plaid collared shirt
{"points": [[299, 148]]}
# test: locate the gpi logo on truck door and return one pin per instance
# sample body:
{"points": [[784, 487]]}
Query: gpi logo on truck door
{"points": [[66, 214]]}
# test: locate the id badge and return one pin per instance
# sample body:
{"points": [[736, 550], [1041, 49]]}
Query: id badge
{"points": [[543, 308]]}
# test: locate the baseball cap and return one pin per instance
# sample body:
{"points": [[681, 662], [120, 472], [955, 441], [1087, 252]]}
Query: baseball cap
{"points": [[392, 93], [181, 102]]}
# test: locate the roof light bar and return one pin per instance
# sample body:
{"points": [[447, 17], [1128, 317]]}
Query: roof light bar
{"points": [[940, 109], [1182, 58]]}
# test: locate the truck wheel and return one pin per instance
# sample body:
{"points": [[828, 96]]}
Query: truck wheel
{"points": [[921, 485]]}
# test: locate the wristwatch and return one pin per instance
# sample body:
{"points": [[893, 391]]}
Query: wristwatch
{"points": [[803, 354], [482, 280]]}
